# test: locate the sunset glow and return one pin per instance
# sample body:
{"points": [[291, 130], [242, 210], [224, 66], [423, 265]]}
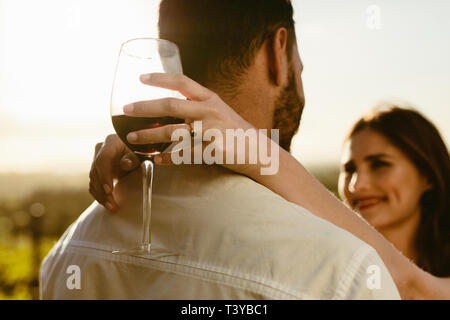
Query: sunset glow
{"points": [[58, 57]]}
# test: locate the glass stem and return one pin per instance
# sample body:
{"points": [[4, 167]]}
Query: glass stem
{"points": [[147, 179]]}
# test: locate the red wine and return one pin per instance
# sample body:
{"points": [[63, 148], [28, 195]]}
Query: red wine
{"points": [[124, 125]]}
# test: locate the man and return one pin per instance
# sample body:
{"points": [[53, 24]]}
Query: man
{"points": [[237, 239]]}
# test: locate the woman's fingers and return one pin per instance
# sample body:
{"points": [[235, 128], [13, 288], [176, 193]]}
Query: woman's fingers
{"points": [[166, 107], [101, 192], [186, 86], [94, 187], [129, 162], [98, 146], [110, 153], [156, 135], [106, 167]]}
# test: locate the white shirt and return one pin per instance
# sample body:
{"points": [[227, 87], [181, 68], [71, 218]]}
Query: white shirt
{"points": [[238, 240]]}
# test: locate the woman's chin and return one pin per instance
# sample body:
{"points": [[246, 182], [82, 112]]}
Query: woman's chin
{"points": [[374, 214]]}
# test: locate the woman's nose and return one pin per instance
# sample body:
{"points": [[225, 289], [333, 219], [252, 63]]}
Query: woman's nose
{"points": [[358, 182]]}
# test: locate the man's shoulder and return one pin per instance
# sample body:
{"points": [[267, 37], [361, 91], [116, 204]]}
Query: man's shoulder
{"points": [[231, 226], [239, 194], [235, 204]]}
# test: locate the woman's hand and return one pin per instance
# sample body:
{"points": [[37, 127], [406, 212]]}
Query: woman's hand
{"points": [[113, 159], [201, 105]]}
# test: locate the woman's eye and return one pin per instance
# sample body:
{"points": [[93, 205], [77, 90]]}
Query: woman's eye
{"points": [[349, 168], [379, 164]]}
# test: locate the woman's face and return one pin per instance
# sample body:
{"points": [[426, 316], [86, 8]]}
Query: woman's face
{"points": [[379, 181]]}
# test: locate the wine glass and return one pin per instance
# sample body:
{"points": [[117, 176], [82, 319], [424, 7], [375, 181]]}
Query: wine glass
{"points": [[137, 57]]}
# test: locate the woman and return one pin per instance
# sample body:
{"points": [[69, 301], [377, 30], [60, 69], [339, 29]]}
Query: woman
{"points": [[396, 173], [292, 181]]}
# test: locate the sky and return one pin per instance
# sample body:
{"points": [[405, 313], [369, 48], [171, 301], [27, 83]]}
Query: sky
{"points": [[57, 60]]}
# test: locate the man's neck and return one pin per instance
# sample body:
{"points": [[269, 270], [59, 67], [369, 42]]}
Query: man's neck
{"points": [[250, 102]]}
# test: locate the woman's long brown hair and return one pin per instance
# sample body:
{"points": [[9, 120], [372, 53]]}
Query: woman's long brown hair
{"points": [[421, 142]]}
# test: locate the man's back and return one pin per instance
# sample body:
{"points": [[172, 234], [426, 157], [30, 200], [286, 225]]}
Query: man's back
{"points": [[237, 239]]}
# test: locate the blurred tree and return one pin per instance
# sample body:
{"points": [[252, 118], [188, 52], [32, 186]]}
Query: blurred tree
{"points": [[28, 228]]}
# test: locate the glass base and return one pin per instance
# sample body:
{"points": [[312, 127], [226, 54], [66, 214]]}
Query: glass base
{"points": [[144, 250]]}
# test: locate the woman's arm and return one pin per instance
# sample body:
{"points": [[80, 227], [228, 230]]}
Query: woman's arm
{"points": [[292, 181]]}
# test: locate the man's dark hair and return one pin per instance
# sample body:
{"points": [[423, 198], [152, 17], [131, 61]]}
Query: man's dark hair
{"points": [[218, 39]]}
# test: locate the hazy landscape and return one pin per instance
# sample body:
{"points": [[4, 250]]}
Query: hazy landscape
{"points": [[13, 185], [20, 184]]}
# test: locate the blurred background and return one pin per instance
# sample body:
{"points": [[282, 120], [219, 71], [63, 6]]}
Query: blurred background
{"points": [[57, 59]]}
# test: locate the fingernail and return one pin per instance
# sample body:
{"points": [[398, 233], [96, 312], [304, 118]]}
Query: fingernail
{"points": [[131, 137], [128, 108], [107, 188], [128, 163], [109, 206], [145, 77]]}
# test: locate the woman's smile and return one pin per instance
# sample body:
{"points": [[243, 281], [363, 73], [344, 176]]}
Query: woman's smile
{"points": [[364, 203]]}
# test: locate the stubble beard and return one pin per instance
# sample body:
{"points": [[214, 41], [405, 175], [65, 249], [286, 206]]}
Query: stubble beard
{"points": [[288, 112]]}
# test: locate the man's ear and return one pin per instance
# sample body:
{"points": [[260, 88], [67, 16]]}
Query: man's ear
{"points": [[278, 58]]}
